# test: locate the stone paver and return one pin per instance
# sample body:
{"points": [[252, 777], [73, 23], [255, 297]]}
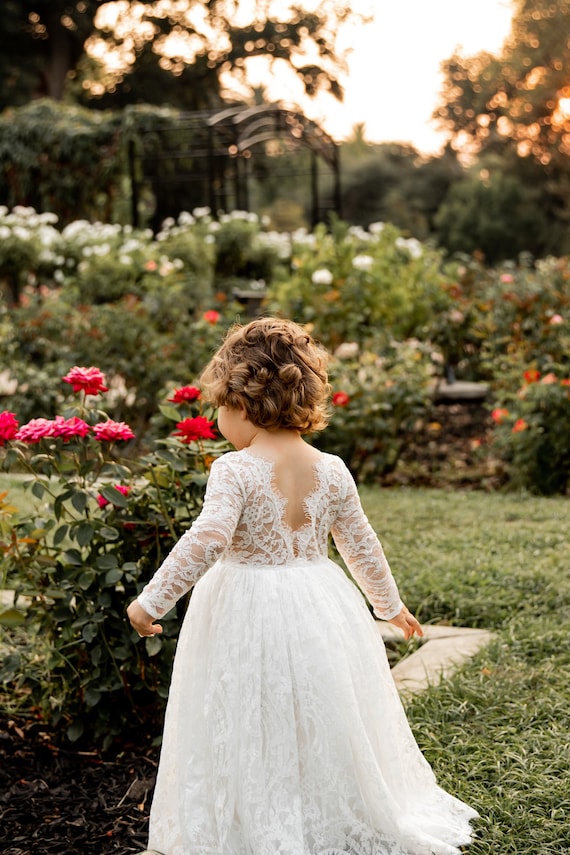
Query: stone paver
{"points": [[445, 648]]}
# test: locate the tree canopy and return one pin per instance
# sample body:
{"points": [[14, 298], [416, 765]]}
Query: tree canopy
{"points": [[181, 52], [520, 98]]}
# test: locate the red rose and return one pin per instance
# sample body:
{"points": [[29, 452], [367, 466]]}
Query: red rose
{"points": [[185, 395], [8, 426], [110, 431], [340, 399], [190, 430], [532, 375], [88, 380], [211, 316], [35, 430], [519, 426], [499, 415]]}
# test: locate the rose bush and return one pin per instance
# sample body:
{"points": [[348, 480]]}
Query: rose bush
{"points": [[532, 428], [378, 399], [100, 525]]}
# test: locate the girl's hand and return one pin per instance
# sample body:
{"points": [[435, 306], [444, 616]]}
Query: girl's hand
{"points": [[407, 623], [142, 621]]}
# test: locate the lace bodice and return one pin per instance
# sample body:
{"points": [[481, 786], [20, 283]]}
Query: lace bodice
{"points": [[243, 520]]}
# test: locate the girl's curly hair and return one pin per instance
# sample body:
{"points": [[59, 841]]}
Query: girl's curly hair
{"points": [[275, 371]]}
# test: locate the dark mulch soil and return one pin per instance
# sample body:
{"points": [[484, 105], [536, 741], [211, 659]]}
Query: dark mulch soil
{"points": [[69, 802]]}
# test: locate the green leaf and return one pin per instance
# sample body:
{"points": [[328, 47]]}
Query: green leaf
{"points": [[114, 496], [79, 501], [153, 645], [84, 533], [107, 532], [12, 618], [113, 576], [73, 556], [170, 413], [38, 489], [74, 731], [92, 697], [89, 632], [106, 561], [86, 579], [173, 461]]}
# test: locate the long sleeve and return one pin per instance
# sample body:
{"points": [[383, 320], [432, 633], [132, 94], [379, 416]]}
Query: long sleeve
{"points": [[200, 547], [363, 554]]}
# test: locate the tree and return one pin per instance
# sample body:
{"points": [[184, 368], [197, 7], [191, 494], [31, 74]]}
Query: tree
{"points": [[179, 53], [41, 43], [520, 98]]}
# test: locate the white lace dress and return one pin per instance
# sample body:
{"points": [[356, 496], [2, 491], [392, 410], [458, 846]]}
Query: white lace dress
{"points": [[284, 733]]}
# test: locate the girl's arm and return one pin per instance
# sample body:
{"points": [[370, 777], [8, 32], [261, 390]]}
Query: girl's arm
{"points": [[204, 542], [363, 554]]}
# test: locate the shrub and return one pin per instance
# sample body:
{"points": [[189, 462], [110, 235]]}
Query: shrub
{"points": [[533, 430], [102, 524], [378, 399]]}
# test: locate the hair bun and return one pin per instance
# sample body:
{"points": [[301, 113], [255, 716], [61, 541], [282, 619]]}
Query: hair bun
{"points": [[290, 374]]}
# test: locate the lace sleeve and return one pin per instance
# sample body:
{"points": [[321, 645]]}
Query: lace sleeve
{"points": [[364, 556], [199, 547]]}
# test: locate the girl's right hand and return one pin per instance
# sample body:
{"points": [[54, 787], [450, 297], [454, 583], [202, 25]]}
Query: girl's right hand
{"points": [[142, 621], [407, 623]]}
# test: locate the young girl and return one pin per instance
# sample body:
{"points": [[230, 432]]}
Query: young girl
{"points": [[284, 733]]}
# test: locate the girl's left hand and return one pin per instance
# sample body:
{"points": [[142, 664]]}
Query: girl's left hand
{"points": [[407, 623], [142, 621]]}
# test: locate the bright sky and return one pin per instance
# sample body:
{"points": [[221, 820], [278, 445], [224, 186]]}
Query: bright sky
{"points": [[394, 75]]}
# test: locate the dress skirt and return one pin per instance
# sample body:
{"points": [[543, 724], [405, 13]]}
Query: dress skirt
{"points": [[284, 732]]}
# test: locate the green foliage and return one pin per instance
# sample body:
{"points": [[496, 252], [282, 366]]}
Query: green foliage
{"points": [[533, 429], [352, 285], [495, 216], [63, 160], [96, 529], [378, 398]]}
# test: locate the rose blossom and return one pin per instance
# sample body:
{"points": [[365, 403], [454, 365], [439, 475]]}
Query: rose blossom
{"points": [[88, 380], [549, 379], [531, 376], [519, 426], [499, 415], [506, 278], [110, 431], [196, 428], [211, 316], [8, 426], [340, 399], [185, 394], [556, 319], [35, 430], [102, 501], [66, 428]]}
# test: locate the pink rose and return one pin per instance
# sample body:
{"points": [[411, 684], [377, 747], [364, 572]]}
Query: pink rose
{"points": [[35, 430], [8, 426], [111, 431], [88, 380], [506, 278], [102, 501], [67, 428], [555, 320]]}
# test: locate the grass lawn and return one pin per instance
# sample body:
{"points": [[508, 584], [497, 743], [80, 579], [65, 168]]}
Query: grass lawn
{"points": [[498, 733]]}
